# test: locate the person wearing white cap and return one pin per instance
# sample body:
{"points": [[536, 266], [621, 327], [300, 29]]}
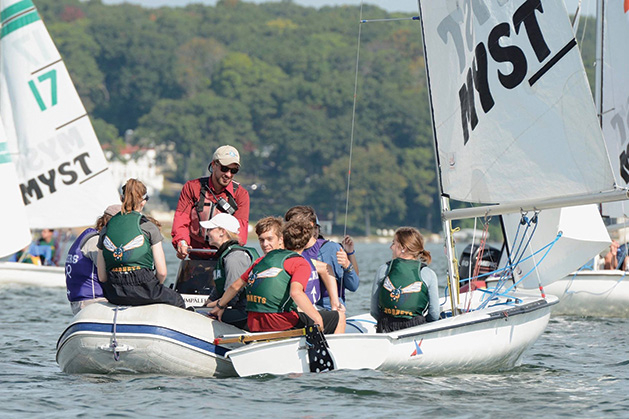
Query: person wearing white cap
{"points": [[82, 285], [233, 261], [202, 198]]}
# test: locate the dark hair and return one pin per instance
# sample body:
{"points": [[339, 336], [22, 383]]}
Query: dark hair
{"points": [[296, 233], [302, 211], [133, 192], [412, 241], [270, 223]]}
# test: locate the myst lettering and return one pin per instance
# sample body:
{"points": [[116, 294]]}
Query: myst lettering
{"points": [[68, 175], [511, 54], [477, 77], [526, 14], [624, 165], [29, 189]]}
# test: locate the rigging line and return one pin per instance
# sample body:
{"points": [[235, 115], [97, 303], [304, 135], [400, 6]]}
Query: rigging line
{"points": [[351, 138], [389, 19]]}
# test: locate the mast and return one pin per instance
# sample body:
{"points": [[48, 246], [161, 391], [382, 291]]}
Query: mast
{"points": [[453, 277], [598, 84]]}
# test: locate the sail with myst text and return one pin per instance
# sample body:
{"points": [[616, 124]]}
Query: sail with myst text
{"points": [[62, 172], [513, 115]]}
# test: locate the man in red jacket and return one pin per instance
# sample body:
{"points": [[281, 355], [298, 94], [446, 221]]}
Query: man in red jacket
{"points": [[202, 198]]}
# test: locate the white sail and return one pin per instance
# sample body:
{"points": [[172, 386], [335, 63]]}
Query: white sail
{"points": [[583, 234], [13, 222], [613, 85], [62, 171], [513, 114]]}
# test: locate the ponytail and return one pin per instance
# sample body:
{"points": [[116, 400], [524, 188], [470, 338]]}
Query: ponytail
{"points": [[133, 193]]}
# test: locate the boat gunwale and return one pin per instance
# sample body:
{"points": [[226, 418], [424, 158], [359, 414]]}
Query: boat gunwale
{"points": [[70, 332]]}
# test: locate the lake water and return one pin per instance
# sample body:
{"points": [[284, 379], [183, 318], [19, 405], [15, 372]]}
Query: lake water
{"points": [[579, 367]]}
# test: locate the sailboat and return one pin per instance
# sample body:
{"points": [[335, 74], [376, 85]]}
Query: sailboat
{"points": [[515, 131], [54, 172], [592, 290]]}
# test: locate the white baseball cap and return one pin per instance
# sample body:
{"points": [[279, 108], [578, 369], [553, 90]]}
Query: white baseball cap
{"points": [[223, 220]]}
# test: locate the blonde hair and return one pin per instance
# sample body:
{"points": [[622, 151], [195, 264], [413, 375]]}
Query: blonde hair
{"points": [[412, 241], [133, 193]]}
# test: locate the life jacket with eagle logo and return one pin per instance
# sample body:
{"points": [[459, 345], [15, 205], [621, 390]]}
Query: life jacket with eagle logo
{"points": [[403, 294], [125, 244], [268, 285]]}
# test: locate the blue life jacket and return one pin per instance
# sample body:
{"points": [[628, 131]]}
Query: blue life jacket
{"points": [[81, 273]]}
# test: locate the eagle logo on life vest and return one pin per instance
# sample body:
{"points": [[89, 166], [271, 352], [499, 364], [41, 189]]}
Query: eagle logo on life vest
{"points": [[267, 273], [118, 252], [396, 293]]}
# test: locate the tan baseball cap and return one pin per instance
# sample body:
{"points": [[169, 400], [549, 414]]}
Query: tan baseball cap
{"points": [[226, 155]]}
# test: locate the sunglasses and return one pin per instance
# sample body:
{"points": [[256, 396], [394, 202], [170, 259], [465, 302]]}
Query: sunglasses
{"points": [[226, 169]]}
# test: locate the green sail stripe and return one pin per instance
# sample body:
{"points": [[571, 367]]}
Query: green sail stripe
{"points": [[15, 9], [5, 156], [19, 23]]}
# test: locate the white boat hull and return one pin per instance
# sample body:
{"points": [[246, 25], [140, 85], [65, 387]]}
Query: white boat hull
{"points": [[600, 293], [481, 341], [152, 339], [32, 275]]}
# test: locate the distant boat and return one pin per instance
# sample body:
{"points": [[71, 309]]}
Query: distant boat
{"points": [[54, 172]]}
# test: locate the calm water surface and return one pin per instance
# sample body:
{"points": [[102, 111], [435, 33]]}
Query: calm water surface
{"points": [[579, 367]]}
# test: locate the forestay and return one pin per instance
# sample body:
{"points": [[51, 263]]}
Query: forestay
{"points": [[513, 114], [13, 223], [62, 172], [613, 89]]}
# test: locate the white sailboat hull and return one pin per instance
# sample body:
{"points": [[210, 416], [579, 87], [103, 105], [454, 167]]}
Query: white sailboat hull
{"points": [[153, 339], [603, 293], [32, 275], [481, 341]]}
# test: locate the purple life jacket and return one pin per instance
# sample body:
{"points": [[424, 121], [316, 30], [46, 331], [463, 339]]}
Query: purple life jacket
{"points": [[314, 253], [81, 273], [313, 288]]}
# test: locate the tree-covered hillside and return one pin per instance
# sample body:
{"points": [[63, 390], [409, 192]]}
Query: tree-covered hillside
{"points": [[275, 80]]}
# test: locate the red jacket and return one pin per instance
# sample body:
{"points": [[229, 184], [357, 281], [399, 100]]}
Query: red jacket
{"points": [[187, 203]]}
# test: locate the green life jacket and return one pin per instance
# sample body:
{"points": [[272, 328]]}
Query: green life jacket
{"points": [[125, 245], [219, 271], [268, 285], [403, 294]]}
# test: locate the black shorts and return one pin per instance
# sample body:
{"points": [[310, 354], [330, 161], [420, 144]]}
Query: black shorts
{"points": [[388, 324], [138, 288], [330, 321]]}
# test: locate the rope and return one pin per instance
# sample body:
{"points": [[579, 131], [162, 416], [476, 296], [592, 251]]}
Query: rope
{"points": [[351, 139]]}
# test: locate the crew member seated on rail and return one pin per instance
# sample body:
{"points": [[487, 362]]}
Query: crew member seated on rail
{"points": [[275, 288], [405, 292], [233, 261]]}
